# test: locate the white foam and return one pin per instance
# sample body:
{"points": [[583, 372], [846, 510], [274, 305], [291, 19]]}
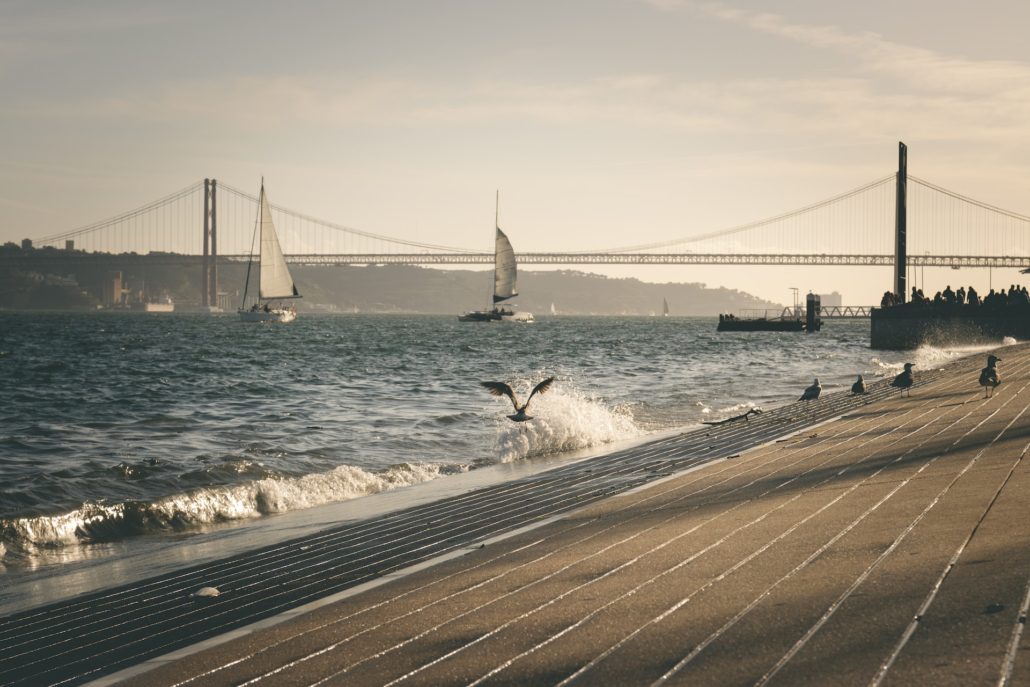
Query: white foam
{"points": [[344, 482], [930, 357], [563, 420], [215, 504], [734, 409]]}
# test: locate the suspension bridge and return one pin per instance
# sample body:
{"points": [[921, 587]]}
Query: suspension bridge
{"points": [[898, 220]]}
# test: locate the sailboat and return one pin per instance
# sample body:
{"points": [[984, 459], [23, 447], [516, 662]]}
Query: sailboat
{"points": [[665, 308], [274, 280], [504, 281]]}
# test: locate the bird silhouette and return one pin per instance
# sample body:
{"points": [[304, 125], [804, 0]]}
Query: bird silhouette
{"points": [[989, 377], [812, 392], [859, 386], [502, 389], [905, 379]]}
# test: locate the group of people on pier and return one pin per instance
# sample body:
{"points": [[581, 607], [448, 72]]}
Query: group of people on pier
{"points": [[1015, 295]]}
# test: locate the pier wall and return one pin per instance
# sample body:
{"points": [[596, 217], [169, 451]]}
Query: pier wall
{"points": [[908, 327]]}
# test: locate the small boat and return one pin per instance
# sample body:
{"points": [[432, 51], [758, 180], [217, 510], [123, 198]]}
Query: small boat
{"points": [[504, 282], [759, 324], [665, 308], [274, 281], [163, 304]]}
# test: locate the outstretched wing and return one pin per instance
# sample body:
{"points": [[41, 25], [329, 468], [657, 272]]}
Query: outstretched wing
{"points": [[501, 389], [539, 388]]}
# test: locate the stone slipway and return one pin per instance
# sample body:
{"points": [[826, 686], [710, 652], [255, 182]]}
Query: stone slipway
{"points": [[888, 542]]}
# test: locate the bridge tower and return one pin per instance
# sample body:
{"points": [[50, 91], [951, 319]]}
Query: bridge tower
{"points": [[900, 224], [213, 274], [209, 276]]}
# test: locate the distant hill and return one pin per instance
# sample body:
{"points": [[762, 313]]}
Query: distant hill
{"points": [[397, 288], [45, 279]]}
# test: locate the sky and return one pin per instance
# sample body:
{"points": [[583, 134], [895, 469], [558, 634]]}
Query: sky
{"points": [[605, 123]]}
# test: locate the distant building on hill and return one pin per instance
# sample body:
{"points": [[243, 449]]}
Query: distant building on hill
{"points": [[830, 300]]}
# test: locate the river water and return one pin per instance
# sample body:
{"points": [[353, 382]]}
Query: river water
{"points": [[123, 429]]}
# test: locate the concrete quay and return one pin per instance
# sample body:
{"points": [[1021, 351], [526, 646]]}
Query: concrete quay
{"points": [[888, 545]]}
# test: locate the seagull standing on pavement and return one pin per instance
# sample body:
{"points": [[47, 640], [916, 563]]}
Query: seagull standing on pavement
{"points": [[502, 389], [859, 386], [905, 379], [989, 377], [812, 392]]}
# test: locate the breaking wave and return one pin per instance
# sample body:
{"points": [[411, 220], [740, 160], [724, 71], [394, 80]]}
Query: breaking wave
{"points": [[931, 357], [95, 521], [563, 420]]}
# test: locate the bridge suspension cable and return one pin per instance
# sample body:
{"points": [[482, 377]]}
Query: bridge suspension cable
{"points": [[142, 210], [348, 230], [854, 227], [769, 221], [972, 201], [946, 222]]}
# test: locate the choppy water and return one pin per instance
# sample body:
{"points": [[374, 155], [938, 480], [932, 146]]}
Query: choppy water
{"points": [[120, 425]]}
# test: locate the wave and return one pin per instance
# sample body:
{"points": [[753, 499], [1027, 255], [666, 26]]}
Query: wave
{"points": [[563, 420], [97, 521], [931, 357], [734, 409]]}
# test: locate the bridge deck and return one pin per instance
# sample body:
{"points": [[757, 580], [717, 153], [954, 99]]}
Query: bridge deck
{"points": [[785, 549]]}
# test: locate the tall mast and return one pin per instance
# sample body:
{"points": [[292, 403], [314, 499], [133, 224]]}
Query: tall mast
{"points": [[261, 236], [250, 262]]}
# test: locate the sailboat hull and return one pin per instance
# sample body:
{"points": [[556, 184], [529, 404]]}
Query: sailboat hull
{"points": [[274, 315], [519, 316], [496, 315], [480, 316]]}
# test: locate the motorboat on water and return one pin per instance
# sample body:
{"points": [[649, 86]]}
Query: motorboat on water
{"points": [[274, 281], [505, 272]]}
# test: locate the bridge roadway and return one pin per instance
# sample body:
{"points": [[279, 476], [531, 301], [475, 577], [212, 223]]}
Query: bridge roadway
{"points": [[843, 541], [53, 258], [685, 258]]}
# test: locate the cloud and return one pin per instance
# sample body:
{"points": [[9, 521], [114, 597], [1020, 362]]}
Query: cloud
{"points": [[40, 22], [889, 88], [840, 108], [918, 68], [31, 29], [271, 102]]}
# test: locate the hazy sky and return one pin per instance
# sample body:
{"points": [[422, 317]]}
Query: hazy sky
{"points": [[604, 123]]}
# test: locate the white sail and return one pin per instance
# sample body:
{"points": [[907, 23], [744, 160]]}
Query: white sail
{"points": [[504, 268], [276, 281], [665, 307]]}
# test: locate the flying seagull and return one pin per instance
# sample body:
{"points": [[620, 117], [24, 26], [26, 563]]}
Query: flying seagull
{"points": [[904, 380], [812, 392], [859, 386], [502, 389], [989, 377]]}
